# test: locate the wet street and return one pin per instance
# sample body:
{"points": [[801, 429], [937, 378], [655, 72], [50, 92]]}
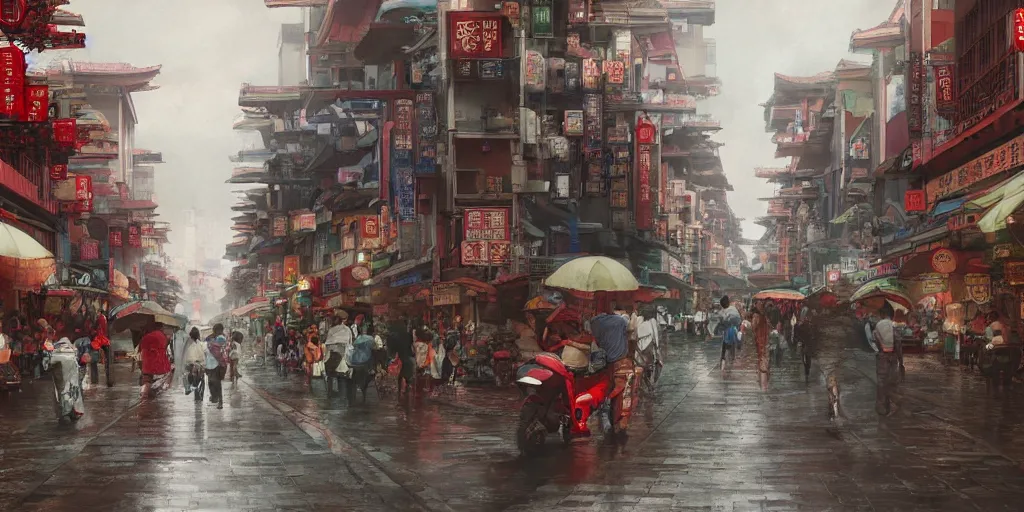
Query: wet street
{"points": [[708, 441]]}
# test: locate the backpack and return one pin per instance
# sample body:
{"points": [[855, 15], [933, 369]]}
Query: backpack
{"points": [[362, 351], [731, 336]]}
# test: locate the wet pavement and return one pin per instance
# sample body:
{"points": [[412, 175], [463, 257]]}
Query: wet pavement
{"points": [[709, 440]]}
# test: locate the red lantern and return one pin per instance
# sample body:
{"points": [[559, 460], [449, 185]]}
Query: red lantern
{"points": [[1018, 30]]}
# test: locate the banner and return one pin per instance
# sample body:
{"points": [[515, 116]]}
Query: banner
{"points": [[37, 107], [65, 132], [12, 82], [280, 226], [291, 269], [475, 35], [89, 249], [115, 239], [445, 294], [945, 97], [426, 123], [83, 193], [486, 224], [134, 236], [485, 253], [915, 112], [59, 172], [369, 227], [643, 204], [148, 229], [402, 184]]}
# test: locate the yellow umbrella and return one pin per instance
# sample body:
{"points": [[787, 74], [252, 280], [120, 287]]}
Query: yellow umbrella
{"points": [[24, 263], [593, 274]]}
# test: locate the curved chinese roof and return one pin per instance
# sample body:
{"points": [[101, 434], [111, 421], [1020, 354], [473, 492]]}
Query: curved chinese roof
{"points": [[104, 73]]}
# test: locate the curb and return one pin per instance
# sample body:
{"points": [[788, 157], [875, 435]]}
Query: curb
{"points": [[382, 477]]}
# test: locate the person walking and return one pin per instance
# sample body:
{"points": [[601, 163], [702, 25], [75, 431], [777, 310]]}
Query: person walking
{"points": [[759, 324], [155, 363], [400, 344], [235, 357], [888, 363], [339, 339], [194, 360], [217, 360], [101, 343], [313, 354], [730, 338]]}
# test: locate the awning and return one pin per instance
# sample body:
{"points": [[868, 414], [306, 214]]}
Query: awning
{"points": [[1002, 202], [948, 206], [475, 285], [254, 307]]}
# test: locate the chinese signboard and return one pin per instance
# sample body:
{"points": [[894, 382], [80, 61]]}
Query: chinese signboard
{"points": [[12, 81], [403, 187], [115, 239], [1018, 30], [445, 294], [303, 222], [913, 201], [644, 208], [486, 224], [426, 123], [134, 236], [1004, 158], [369, 227], [944, 261], [915, 116], [280, 226], [291, 269], [945, 99], [616, 71], [592, 121], [331, 284], [83, 193], [541, 18], [37, 107], [65, 132], [1013, 272], [475, 35], [978, 287], [89, 249], [59, 172], [486, 252]]}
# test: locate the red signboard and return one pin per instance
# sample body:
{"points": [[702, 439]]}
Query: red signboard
{"points": [[945, 100], [1018, 30], [280, 226], [148, 229], [37, 106], [369, 227], [486, 224], [115, 239], [913, 201], [89, 249], [475, 35], [64, 132], [59, 172], [616, 70], [12, 81], [275, 273], [83, 193], [134, 236], [291, 268], [644, 208], [645, 131]]}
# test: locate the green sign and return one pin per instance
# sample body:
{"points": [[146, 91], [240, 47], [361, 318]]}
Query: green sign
{"points": [[541, 15]]}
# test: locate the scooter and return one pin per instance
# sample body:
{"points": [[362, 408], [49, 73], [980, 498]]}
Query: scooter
{"points": [[504, 354], [555, 398]]}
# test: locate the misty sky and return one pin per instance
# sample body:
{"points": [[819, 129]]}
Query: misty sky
{"points": [[207, 48]]}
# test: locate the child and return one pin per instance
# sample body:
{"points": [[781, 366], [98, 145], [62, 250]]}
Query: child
{"points": [[313, 354], [236, 355]]}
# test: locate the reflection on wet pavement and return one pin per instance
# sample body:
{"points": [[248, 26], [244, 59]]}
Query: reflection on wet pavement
{"points": [[708, 440]]}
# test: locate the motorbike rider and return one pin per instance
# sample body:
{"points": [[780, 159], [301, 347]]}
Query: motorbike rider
{"points": [[610, 333]]}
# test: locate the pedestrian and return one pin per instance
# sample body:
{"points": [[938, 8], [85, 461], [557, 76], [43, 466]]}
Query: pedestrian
{"points": [[195, 362], [803, 334], [217, 360], [155, 364], [759, 324], [236, 356], [400, 345], [268, 343], [730, 338], [312, 353], [101, 343], [339, 339], [888, 363]]}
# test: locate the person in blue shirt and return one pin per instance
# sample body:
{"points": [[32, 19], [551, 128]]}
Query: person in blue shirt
{"points": [[610, 334], [217, 359]]}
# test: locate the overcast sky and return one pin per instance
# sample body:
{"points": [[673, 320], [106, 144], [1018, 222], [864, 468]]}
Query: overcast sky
{"points": [[208, 48]]}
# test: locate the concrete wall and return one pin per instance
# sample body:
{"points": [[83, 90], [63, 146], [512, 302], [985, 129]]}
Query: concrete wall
{"points": [[291, 54]]}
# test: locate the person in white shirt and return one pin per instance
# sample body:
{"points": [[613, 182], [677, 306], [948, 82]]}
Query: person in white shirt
{"points": [[339, 339], [889, 363], [698, 323]]}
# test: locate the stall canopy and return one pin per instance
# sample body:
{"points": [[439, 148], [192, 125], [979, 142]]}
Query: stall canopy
{"points": [[1001, 202], [255, 307], [24, 263]]}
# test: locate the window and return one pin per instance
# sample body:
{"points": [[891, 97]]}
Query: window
{"points": [[711, 57]]}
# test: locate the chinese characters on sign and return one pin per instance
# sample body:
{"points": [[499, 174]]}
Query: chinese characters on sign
{"points": [[369, 227], [915, 117], [303, 222], [65, 132], [402, 185], [426, 122], [944, 261], [148, 229], [12, 81], [475, 35], [89, 249], [644, 208], [1008, 156], [134, 236], [573, 126], [59, 172], [83, 193], [280, 226], [1018, 30], [978, 287], [486, 253], [38, 107], [115, 239], [945, 100], [445, 294], [486, 224], [542, 25], [913, 201]]}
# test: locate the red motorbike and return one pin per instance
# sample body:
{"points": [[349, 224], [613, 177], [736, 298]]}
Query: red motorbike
{"points": [[558, 398]]}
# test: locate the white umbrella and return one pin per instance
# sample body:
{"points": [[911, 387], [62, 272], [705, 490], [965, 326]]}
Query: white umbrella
{"points": [[593, 274], [24, 263]]}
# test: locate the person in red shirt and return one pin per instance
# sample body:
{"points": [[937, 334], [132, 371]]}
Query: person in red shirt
{"points": [[153, 351], [100, 342]]}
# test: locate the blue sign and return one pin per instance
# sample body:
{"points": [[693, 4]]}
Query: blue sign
{"points": [[406, 279]]}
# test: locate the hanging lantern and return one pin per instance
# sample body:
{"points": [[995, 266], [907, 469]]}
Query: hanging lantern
{"points": [[1018, 30]]}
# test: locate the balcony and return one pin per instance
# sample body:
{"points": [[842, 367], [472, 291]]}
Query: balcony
{"points": [[695, 12], [26, 178]]}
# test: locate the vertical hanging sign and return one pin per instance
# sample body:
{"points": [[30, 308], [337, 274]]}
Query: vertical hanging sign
{"points": [[645, 138], [401, 161], [134, 236], [115, 239], [37, 108], [945, 100], [65, 132], [540, 14], [83, 193], [915, 116], [1018, 30], [12, 81], [426, 124]]}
